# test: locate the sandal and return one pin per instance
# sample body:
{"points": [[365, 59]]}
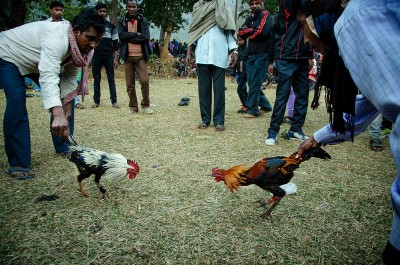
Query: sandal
{"points": [[95, 106], [79, 106], [376, 145], [202, 125], [220, 128], [21, 173]]}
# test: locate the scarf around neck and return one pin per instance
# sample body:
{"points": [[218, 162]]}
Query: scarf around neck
{"points": [[79, 61], [207, 14], [340, 89]]}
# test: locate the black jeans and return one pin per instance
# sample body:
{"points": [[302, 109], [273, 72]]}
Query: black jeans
{"points": [[291, 73], [97, 64]]}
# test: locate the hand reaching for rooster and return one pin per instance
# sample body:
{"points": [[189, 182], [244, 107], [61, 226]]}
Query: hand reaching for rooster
{"points": [[305, 146], [60, 125]]}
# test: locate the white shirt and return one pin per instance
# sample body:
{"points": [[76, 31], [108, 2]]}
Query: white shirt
{"points": [[213, 47], [41, 47]]}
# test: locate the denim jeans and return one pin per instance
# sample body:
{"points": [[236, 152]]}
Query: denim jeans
{"points": [[242, 89], [256, 69], [60, 145], [291, 73], [16, 122], [97, 64]]}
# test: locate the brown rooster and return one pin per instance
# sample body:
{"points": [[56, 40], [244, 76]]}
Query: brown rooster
{"points": [[101, 164], [268, 173]]}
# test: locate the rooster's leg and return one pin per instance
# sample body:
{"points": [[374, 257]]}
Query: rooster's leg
{"points": [[100, 187], [84, 194], [103, 191], [274, 204], [81, 177], [264, 202]]}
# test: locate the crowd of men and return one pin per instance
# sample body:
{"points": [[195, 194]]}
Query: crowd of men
{"points": [[54, 51]]}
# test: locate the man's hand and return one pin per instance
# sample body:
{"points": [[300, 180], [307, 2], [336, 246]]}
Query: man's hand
{"points": [[234, 58], [271, 69], [188, 59], [306, 145], [115, 63], [310, 64], [60, 125]]}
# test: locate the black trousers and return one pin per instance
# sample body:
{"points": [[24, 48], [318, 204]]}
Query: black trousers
{"points": [[209, 77]]}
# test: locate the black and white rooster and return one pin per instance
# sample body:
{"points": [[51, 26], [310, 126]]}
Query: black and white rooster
{"points": [[101, 164]]}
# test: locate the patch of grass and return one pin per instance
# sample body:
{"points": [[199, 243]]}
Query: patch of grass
{"points": [[174, 212]]}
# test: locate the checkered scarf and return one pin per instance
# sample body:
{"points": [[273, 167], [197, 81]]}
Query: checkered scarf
{"points": [[79, 61]]}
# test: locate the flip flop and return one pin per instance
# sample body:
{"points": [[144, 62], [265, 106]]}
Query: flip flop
{"points": [[376, 145], [21, 173]]}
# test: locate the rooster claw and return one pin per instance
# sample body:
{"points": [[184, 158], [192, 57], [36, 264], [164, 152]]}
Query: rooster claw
{"points": [[260, 203], [106, 197]]}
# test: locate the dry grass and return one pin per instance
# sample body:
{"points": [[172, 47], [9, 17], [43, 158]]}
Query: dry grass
{"points": [[174, 212]]}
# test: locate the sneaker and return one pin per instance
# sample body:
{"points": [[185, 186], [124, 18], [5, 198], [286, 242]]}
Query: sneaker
{"points": [[148, 110], [297, 135], [270, 139], [249, 116], [242, 109], [115, 105]]}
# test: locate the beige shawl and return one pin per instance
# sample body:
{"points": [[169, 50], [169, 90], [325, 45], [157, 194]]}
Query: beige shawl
{"points": [[207, 14]]}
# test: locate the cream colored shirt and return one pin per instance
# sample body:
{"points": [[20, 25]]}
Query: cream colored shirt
{"points": [[41, 47]]}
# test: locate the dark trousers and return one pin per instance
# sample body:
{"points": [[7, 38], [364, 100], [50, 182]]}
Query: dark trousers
{"points": [[97, 64], [131, 66], [242, 89], [209, 77], [17, 140], [60, 145], [291, 73], [256, 69]]}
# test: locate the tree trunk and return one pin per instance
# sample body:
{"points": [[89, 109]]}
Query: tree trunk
{"points": [[164, 51], [114, 12], [12, 14]]}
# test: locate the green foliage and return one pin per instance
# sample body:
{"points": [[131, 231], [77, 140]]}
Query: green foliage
{"points": [[270, 5], [153, 57], [162, 13], [39, 9]]}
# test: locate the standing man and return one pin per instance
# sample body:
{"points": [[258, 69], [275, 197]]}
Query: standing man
{"points": [[134, 34], [211, 36], [56, 10], [257, 28], [372, 56], [292, 61], [42, 48], [106, 54]]}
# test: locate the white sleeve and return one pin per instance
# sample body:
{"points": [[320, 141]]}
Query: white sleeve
{"points": [[54, 46]]}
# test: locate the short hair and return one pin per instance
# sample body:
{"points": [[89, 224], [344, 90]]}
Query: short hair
{"points": [[54, 4], [87, 19], [100, 5]]}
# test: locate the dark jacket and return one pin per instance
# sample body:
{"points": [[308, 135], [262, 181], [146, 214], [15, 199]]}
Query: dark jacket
{"points": [[126, 37], [240, 67], [288, 35], [109, 43], [257, 28]]}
